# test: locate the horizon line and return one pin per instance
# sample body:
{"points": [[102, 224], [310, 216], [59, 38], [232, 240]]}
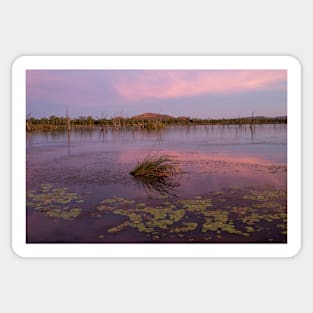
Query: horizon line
{"points": [[159, 114]]}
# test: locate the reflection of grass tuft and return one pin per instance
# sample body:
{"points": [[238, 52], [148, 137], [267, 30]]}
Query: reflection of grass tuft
{"points": [[156, 168], [156, 173]]}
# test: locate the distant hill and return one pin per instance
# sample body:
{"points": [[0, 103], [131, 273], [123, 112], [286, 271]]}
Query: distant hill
{"points": [[152, 116], [156, 116]]}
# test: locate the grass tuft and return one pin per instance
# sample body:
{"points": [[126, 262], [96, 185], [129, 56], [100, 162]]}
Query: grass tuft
{"points": [[156, 168]]}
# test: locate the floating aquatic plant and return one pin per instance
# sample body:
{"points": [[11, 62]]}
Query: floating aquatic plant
{"points": [[185, 227], [196, 205], [55, 202], [65, 213], [201, 218], [218, 221]]}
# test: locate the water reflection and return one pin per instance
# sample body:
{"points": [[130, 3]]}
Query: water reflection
{"points": [[85, 155], [192, 134], [29, 139], [68, 142], [252, 132], [222, 169], [163, 186]]}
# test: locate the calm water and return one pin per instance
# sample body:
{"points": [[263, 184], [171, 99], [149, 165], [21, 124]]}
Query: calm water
{"points": [[70, 174]]}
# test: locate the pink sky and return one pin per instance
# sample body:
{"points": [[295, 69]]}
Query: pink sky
{"points": [[173, 84], [215, 93]]}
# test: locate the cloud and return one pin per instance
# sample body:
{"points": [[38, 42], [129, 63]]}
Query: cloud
{"points": [[211, 92], [184, 83]]}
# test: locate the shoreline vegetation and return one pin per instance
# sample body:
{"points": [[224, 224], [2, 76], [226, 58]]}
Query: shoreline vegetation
{"points": [[149, 121]]}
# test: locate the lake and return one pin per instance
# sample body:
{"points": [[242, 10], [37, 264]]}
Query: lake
{"points": [[232, 185]]}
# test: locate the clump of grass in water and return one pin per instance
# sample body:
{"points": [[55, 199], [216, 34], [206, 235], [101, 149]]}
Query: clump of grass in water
{"points": [[156, 173], [156, 168]]}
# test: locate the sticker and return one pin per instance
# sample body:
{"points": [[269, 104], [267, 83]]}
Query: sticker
{"points": [[156, 156]]}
